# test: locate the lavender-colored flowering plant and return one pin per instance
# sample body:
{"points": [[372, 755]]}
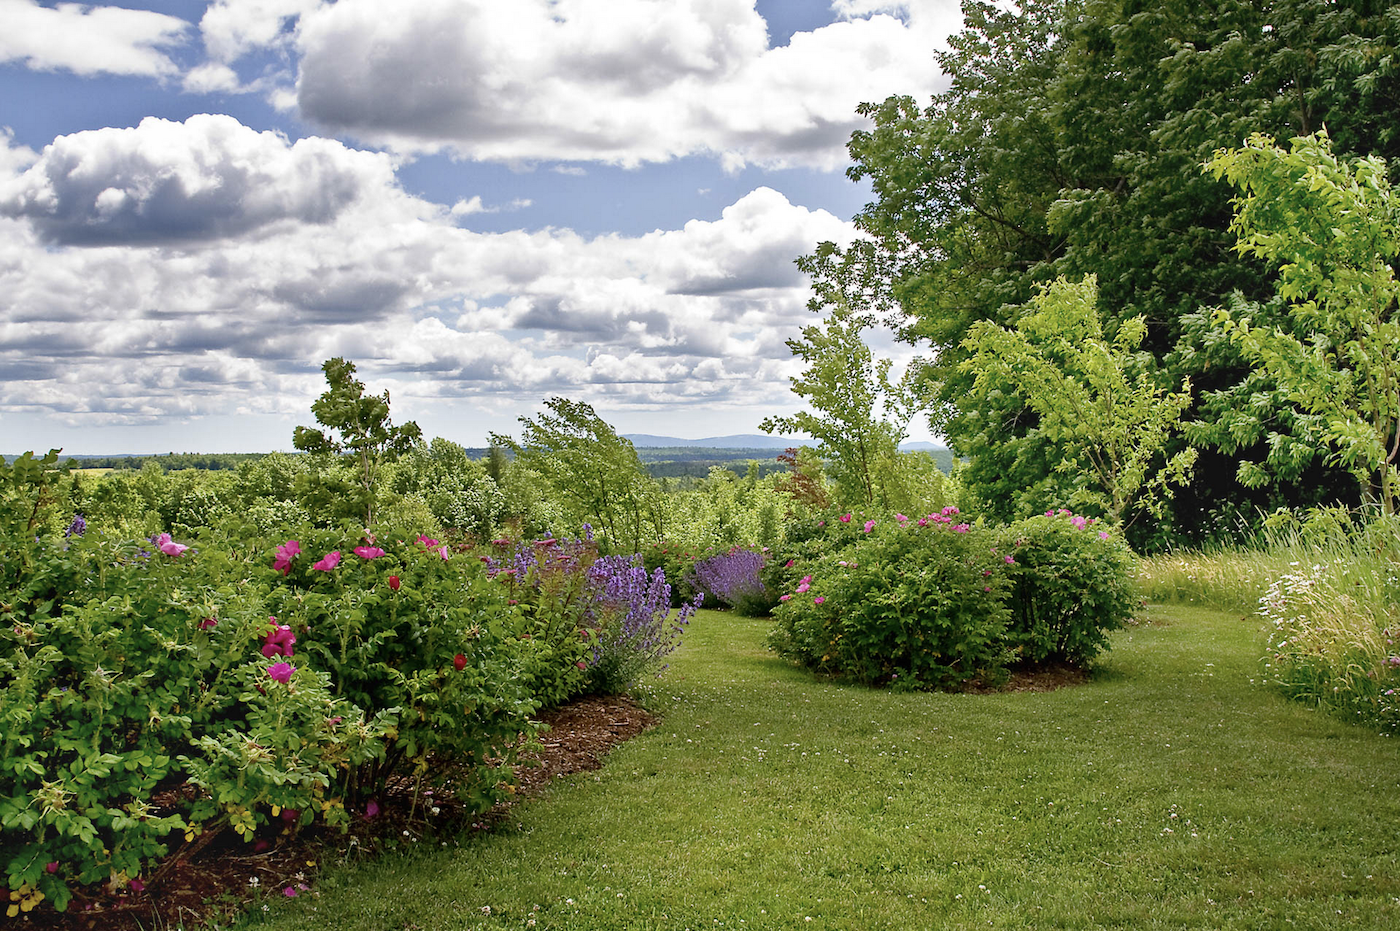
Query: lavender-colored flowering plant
{"points": [[608, 605], [734, 579], [636, 630]]}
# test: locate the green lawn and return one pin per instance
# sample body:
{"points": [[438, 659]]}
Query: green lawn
{"points": [[1169, 792]]}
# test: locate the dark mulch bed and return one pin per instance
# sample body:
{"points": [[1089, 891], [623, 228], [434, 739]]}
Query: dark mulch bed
{"points": [[1046, 678], [228, 873]]}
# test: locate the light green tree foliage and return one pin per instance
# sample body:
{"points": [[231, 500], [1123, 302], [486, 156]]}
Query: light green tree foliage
{"points": [[725, 510], [914, 484], [270, 478], [531, 508], [126, 501], [456, 489], [1095, 396], [1332, 227], [858, 416], [590, 471], [198, 498], [267, 491], [357, 427], [29, 488]]}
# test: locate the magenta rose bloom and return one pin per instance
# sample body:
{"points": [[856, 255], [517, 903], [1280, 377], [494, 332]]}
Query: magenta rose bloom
{"points": [[285, 554]]}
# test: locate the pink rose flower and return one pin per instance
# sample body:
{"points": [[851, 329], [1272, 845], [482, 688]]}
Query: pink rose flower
{"points": [[282, 672], [168, 546], [368, 552], [327, 562], [279, 640], [285, 554], [869, 526]]}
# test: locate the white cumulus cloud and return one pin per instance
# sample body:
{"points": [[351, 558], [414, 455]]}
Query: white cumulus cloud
{"points": [[615, 81], [323, 254], [163, 181], [89, 40]]}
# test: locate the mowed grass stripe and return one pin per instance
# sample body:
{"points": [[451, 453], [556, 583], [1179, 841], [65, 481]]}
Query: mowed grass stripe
{"points": [[1168, 792]]}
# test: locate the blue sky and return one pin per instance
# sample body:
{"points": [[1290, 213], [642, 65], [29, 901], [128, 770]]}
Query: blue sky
{"points": [[481, 203]]}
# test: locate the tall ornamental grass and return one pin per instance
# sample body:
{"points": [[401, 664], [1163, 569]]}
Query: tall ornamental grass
{"points": [[1327, 588]]}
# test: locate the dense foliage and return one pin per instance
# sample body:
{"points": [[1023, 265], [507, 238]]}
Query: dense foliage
{"points": [[1072, 582], [189, 652], [590, 471], [276, 675], [1069, 143], [937, 602], [1333, 228]]}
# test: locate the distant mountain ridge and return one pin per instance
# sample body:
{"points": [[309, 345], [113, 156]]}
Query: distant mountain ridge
{"points": [[737, 441], [743, 441]]}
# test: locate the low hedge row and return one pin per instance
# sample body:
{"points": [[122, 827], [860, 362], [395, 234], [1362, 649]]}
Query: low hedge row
{"points": [[154, 691]]}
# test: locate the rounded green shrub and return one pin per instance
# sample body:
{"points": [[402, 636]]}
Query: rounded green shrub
{"points": [[910, 604], [1072, 581]]}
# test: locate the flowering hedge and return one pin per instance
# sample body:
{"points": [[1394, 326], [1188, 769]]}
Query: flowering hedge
{"points": [[735, 578], [935, 602], [912, 604], [282, 679]]}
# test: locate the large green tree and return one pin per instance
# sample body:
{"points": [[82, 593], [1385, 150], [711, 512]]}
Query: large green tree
{"points": [[1068, 144]]}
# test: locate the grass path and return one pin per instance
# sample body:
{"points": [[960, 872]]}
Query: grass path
{"points": [[1169, 792]]}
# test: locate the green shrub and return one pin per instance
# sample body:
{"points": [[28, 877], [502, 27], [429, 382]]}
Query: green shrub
{"points": [[404, 624], [676, 562], [1072, 581], [913, 604], [548, 579], [128, 668], [149, 665]]}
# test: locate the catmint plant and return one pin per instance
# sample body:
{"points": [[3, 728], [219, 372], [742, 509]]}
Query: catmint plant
{"points": [[734, 579]]}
